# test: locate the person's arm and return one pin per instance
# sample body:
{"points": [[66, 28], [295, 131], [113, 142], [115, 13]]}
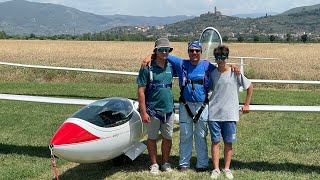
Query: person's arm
{"points": [[146, 61], [245, 107], [211, 86], [235, 69], [142, 105], [174, 60]]}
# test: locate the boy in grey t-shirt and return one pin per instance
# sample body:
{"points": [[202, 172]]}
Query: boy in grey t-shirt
{"points": [[224, 108]]}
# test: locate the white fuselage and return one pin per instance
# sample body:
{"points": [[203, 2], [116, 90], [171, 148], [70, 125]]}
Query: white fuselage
{"points": [[109, 143]]}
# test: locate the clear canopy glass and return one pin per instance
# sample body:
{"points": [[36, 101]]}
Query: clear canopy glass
{"points": [[109, 112]]}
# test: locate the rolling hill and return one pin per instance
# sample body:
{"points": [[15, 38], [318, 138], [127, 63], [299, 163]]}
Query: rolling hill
{"points": [[20, 17], [297, 22]]}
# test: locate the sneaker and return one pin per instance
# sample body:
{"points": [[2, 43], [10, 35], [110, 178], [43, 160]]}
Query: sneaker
{"points": [[228, 174], [166, 167], [215, 174], [183, 168], [154, 169]]}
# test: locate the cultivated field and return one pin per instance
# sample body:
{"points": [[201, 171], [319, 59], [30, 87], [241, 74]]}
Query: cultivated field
{"points": [[295, 61]]}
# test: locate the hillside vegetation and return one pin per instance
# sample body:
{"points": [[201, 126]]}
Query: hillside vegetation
{"points": [[296, 23]]}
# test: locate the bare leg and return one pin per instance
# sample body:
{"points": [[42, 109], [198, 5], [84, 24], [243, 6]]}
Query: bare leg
{"points": [[227, 155], [166, 148], [215, 154], [152, 149]]}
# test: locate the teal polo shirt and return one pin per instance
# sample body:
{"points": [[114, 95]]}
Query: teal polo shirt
{"points": [[161, 99]]}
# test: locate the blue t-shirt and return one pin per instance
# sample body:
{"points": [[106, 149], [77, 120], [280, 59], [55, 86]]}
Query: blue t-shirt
{"points": [[195, 73]]}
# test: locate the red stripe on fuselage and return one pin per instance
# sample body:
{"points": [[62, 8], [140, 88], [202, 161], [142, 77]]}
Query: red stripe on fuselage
{"points": [[70, 133]]}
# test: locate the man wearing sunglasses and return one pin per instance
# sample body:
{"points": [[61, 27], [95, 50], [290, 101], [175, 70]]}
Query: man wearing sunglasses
{"points": [[192, 78], [224, 109], [193, 110], [156, 103]]}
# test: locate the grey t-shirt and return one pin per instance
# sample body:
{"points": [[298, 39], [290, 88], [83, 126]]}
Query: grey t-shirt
{"points": [[224, 101]]}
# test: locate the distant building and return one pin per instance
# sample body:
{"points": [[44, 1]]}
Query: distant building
{"points": [[216, 13]]}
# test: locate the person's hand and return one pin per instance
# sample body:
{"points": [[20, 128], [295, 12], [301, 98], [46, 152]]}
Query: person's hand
{"points": [[146, 61], [235, 69], [145, 118], [245, 109]]}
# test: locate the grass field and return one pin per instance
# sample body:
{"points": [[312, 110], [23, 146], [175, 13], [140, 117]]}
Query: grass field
{"points": [[270, 145]]}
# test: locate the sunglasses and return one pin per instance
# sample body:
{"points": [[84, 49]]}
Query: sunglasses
{"points": [[167, 50], [221, 58], [194, 50]]}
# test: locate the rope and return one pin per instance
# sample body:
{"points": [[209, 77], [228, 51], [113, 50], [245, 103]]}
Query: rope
{"points": [[53, 161]]}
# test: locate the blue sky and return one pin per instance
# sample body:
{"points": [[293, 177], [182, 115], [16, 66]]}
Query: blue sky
{"points": [[180, 7]]}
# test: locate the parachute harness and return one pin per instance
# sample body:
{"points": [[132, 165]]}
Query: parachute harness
{"points": [[151, 87], [204, 82]]}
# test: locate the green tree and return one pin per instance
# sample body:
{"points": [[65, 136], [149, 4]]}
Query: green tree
{"points": [[32, 36], [256, 38], [225, 38], [86, 36], [272, 38], [304, 38], [3, 35], [240, 38], [288, 37]]}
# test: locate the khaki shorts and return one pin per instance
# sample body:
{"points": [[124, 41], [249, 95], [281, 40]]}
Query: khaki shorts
{"points": [[156, 125]]}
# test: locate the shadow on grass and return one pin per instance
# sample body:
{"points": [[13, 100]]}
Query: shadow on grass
{"points": [[36, 151], [266, 166], [106, 169]]}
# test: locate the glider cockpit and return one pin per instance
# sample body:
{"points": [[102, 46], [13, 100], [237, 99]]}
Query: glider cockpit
{"points": [[109, 112]]}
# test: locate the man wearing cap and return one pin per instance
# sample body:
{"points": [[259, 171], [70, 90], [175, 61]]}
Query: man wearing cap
{"points": [[193, 110], [156, 103], [193, 82]]}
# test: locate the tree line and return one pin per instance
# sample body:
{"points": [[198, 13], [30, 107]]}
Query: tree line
{"points": [[140, 37]]}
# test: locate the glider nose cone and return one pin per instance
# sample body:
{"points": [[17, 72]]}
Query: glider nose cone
{"points": [[70, 133]]}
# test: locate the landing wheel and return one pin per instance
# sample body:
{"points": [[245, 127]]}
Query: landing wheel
{"points": [[121, 160]]}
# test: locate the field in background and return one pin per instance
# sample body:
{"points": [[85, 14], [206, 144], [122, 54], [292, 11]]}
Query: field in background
{"points": [[295, 61]]}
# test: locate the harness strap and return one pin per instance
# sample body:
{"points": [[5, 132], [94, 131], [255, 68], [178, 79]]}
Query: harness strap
{"points": [[153, 86], [158, 86], [197, 116], [181, 99], [162, 117], [195, 82], [185, 81]]}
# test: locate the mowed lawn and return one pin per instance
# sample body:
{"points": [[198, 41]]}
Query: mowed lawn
{"points": [[270, 145]]}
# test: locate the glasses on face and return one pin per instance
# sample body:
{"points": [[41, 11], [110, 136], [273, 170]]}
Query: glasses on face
{"points": [[161, 50], [194, 50], [221, 58]]}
